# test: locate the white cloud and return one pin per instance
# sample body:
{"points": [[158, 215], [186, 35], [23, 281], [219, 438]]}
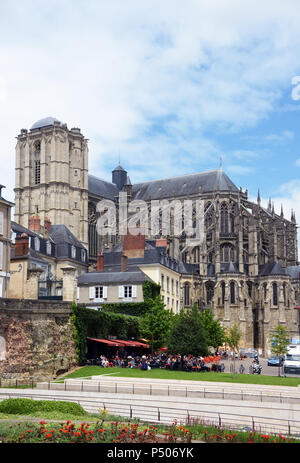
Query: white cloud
{"points": [[148, 79]]}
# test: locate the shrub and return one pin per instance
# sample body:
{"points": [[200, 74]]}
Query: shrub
{"points": [[28, 406]]}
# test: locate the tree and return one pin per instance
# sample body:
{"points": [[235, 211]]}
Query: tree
{"points": [[280, 342], [156, 324], [215, 332], [188, 336], [232, 338]]}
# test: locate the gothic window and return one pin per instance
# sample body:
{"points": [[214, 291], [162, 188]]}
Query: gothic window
{"points": [[186, 294], [232, 292], [223, 292], [209, 291], [224, 218], [284, 293], [209, 211], [210, 257], [274, 293], [265, 291], [232, 220], [226, 253]]}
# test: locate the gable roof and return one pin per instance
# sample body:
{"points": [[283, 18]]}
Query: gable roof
{"points": [[183, 185], [271, 268]]}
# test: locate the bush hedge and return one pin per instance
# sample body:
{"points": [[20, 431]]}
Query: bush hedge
{"points": [[29, 406]]}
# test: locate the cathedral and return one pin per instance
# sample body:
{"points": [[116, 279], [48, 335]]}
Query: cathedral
{"points": [[243, 263]]}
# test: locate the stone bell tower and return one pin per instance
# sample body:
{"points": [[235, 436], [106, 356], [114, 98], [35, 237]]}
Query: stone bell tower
{"points": [[52, 176]]}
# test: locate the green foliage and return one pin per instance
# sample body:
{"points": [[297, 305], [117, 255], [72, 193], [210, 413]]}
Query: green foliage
{"points": [[150, 290], [214, 330], [29, 406], [280, 341], [233, 336], [157, 323], [94, 324], [188, 335]]}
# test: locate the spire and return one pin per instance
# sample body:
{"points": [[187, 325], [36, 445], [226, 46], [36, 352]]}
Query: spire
{"points": [[292, 215], [258, 197], [273, 210], [269, 204], [281, 213]]}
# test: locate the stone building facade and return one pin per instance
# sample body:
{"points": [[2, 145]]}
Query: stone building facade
{"points": [[52, 176], [242, 260], [5, 244]]}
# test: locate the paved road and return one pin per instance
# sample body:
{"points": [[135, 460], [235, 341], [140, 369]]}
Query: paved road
{"points": [[266, 370]]}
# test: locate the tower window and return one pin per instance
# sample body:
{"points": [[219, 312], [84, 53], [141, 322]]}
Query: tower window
{"points": [[37, 172]]}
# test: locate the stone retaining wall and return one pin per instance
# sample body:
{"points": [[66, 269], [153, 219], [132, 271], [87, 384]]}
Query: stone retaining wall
{"points": [[36, 339]]}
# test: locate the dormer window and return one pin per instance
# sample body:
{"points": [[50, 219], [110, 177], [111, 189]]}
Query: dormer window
{"points": [[73, 252], [48, 247], [36, 243]]}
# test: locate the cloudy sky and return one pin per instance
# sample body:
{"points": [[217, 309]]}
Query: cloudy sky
{"points": [[170, 86]]}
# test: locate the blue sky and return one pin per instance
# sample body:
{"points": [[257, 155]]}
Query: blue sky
{"points": [[170, 86]]}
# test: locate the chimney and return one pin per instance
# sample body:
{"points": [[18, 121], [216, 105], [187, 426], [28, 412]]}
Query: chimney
{"points": [[100, 262], [35, 224], [47, 224], [134, 244], [123, 263], [21, 245]]}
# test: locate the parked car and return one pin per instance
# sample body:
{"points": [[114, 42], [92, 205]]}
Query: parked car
{"points": [[275, 361]]}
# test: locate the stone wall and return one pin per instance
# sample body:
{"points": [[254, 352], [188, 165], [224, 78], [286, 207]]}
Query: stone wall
{"points": [[36, 339]]}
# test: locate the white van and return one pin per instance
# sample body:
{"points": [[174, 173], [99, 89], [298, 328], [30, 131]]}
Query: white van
{"points": [[291, 364]]}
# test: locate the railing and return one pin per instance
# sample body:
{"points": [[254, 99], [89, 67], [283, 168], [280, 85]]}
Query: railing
{"points": [[170, 414], [170, 390], [16, 383]]}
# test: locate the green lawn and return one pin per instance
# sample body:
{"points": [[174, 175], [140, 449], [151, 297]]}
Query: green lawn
{"points": [[86, 372]]}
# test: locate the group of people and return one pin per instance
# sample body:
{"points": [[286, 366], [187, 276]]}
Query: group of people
{"points": [[162, 360]]}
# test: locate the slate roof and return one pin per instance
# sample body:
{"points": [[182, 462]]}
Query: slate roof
{"points": [[293, 271], [183, 185], [60, 234], [17, 228], [100, 187], [230, 267], [271, 268], [152, 255], [128, 277]]}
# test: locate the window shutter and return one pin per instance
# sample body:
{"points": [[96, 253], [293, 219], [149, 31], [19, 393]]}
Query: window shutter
{"points": [[133, 291], [104, 292], [121, 291], [1, 223], [92, 292], [1, 287], [78, 292], [1, 256]]}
